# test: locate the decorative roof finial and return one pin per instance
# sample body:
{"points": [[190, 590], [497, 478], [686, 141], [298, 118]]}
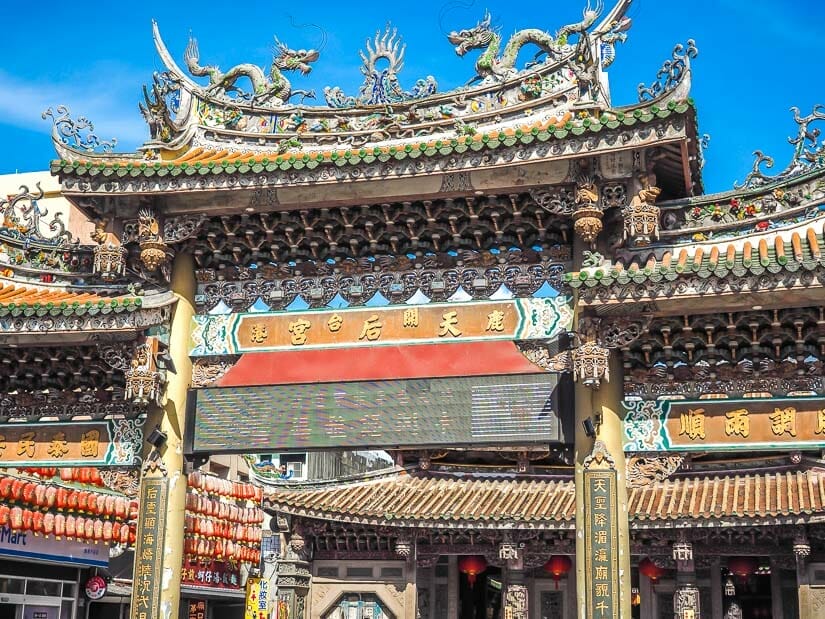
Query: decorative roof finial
{"points": [[381, 85], [68, 132], [808, 154]]}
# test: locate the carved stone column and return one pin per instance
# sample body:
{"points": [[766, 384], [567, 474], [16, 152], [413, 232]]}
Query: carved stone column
{"points": [[802, 551], [686, 603], [515, 603], [294, 576]]}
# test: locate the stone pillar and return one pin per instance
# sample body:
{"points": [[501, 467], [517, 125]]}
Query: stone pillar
{"points": [[686, 604], [802, 550], [516, 599], [716, 599], [602, 403], [452, 586], [776, 591], [159, 544]]}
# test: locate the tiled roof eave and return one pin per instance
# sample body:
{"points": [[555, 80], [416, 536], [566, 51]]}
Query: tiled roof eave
{"points": [[205, 163], [662, 505], [759, 259]]}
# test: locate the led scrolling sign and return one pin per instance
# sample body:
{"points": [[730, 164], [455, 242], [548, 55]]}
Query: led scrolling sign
{"points": [[485, 410]]}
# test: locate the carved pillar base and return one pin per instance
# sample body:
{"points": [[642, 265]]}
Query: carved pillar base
{"points": [[686, 603], [811, 601], [515, 601], [293, 583]]}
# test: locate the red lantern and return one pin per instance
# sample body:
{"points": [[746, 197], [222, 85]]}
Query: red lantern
{"points": [[743, 566], [650, 569], [558, 566], [472, 566]]}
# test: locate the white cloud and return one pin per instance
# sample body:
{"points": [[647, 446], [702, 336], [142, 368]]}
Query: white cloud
{"points": [[110, 102]]}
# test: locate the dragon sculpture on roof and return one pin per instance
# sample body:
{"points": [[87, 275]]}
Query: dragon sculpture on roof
{"points": [[487, 37], [274, 89]]}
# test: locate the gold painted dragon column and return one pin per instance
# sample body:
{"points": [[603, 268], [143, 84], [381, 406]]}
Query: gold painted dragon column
{"points": [[160, 534]]}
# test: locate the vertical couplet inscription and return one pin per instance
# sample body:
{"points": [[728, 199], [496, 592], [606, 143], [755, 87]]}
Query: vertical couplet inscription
{"points": [[151, 529], [601, 544]]}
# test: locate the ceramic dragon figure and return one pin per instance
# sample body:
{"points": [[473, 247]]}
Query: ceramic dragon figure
{"points": [[274, 89], [487, 37]]}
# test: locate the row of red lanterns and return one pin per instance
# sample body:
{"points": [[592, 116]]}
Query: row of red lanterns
{"points": [[220, 549], [473, 565], [48, 496], [738, 566], [216, 528], [83, 475], [223, 487], [202, 504], [69, 526], [559, 565]]}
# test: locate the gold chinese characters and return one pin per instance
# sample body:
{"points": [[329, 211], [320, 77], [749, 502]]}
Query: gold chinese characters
{"points": [[359, 327]]}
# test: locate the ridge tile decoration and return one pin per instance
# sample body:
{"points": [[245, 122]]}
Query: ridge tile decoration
{"points": [[114, 442], [516, 319], [17, 298], [725, 425]]}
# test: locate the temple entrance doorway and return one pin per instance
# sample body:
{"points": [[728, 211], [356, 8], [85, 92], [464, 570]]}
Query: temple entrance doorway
{"points": [[480, 595]]}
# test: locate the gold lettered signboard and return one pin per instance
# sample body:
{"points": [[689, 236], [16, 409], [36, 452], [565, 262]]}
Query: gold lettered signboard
{"points": [[601, 536], [512, 319], [149, 543], [733, 425], [115, 442]]}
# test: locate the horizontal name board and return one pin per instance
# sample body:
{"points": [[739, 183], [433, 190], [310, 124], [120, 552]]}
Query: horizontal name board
{"points": [[735, 425], [375, 414], [114, 442], [26, 545], [513, 319]]}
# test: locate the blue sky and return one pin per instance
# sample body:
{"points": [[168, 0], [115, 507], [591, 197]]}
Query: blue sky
{"points": [[756, 59]]}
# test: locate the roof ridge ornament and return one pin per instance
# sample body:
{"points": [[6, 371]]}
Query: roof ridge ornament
{"points": [[272, 89], [24, 219], [381, 86], [67, 131], [492, 66], [671, 73], [808, 154]]}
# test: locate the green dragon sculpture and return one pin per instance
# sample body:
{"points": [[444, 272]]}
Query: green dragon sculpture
{"points": [[275, 89], [484, 36]]}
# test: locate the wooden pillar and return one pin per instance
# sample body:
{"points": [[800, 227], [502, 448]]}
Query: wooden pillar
{"points": [[606, 402], [159, 543]]}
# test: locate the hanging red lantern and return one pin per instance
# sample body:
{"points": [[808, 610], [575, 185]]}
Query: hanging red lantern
{"points": [[472, 566], [650, 569], [558, 566], [743, 566]]}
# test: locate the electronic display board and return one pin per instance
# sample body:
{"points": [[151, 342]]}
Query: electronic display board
{"points": [[476, 410]]}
